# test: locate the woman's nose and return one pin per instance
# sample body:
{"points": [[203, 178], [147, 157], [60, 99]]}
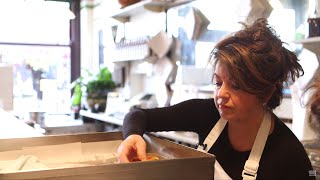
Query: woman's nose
{"points": [[223, 92]]}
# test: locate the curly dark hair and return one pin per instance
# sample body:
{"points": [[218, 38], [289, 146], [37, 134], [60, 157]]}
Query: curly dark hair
{"points": [[258, 62]]}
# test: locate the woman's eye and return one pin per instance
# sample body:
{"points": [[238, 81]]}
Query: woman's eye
{"points": [[217, 84]]}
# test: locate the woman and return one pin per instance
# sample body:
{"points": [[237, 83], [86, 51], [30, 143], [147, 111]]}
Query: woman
{"points": [[314, 103], [250, 68]]}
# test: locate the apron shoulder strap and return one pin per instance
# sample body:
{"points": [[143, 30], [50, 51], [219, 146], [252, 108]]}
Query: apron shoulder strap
{"points": [[212, 136], [252, 164]]}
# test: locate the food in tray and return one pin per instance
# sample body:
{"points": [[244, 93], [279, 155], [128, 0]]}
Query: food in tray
{"points": [[150, 157]]}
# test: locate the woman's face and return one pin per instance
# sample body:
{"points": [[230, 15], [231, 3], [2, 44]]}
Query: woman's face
{"points": [[232, 102]]}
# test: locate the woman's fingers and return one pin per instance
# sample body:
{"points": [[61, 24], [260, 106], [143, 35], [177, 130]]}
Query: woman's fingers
{"points": [[141, 149], [123, 153], [133, 147]]}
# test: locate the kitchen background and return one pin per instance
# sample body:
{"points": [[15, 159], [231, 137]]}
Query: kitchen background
{"points": [[156, 50]]}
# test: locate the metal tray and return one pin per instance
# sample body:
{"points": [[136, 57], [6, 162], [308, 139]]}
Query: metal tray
{"points": [[180, 162]]}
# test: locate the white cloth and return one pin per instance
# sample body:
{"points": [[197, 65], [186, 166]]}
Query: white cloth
{"points": [[24, 162]]}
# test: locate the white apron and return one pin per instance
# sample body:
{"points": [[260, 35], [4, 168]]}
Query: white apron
{"points": [[252, 164]]}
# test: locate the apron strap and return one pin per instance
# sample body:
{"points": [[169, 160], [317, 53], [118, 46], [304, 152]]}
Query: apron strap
{"points": [[212, 136], [252, 164]]}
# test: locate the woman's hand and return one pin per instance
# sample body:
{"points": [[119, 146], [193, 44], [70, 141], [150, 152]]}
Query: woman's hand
{"points": [[133, 147]]}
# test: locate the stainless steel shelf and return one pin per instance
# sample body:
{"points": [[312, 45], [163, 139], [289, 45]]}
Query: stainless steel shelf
{"points": [[309, 40], [312, 44]]}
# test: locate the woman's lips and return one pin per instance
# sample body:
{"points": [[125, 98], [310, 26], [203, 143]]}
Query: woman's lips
{"points": [[223, 107], [223, 110]]}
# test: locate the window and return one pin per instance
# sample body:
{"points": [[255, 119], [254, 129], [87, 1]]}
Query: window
{"points": [[34, 39]]}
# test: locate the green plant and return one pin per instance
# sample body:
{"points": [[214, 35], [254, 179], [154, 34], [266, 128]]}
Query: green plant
{"points": [[100, 83], [77, 95], [97, 88], [91, 91]]}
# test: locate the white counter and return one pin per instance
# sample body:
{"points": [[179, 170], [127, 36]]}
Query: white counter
{"points": [[117, 119], [189, 138], [108, 118]]}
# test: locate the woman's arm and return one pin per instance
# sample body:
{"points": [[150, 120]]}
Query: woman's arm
{"points": [[196, 115]]}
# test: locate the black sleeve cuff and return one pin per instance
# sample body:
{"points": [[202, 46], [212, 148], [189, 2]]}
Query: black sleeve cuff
{"points": [[134, 123]]}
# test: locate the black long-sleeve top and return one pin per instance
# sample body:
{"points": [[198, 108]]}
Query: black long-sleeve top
{"points": [[283, 157]]}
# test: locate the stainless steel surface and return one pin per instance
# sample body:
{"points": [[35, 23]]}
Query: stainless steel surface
{"points": [[180, 162]]}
